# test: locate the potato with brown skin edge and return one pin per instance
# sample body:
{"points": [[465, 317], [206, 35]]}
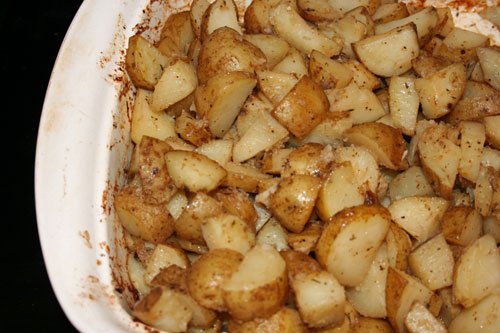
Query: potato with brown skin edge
{"points": [[237, 202], [225, 50], [286, 320], [209, 273], [256, 18], [303, 108], [176, 35]]}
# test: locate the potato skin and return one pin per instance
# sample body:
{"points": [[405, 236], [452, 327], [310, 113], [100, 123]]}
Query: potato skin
{"points": [[286, 320], [225, 50], [206, 276]]}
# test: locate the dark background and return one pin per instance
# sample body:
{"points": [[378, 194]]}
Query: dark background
{"points": [[32, 32]]}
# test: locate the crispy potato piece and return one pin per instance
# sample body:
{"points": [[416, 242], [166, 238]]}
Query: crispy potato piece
{"points": [[207, 276], [163, 256], [440, 92], [286, 320], [145, 122], [246, 177], [461, 225], [421, 320], [176, 35], [409, 183], [194, 131], [228, 231], [338, 192], [327, 72], [303, 108], [441, 168], [305, 240], [419, 216], [256, 20], [344, 250], [274, 160], [489, 59], [482, 317], [348, 29], [288, 24], [236, 54], [401, 292], [404, 103], [144, 63], [361, 104], [293, 201], [177, 82], [399, 246], [432, 262], [151, 222], [273, 233], [371, 325], [385, 143], [372, 51], [368, 298], [221, 98], [237, 202], [220, 13], [472, 138], [194, 171], [273, 47], [477, 272], [259, 286]]}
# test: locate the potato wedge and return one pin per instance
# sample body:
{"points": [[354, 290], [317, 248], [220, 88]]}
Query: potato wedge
{"points": [[404, 103], [286, 320], [196, 12], [420, 320], [385, 143], [399, 246], [489, 58], [220, 13], [275, 85], [237, 202], [163, 256], [207, 276], [219, 150], [303, 108], [344, 251], [310, 159], [259, 286], [419, 216], [477, 272], [194, 171], [191, 129], [293, 63], [482, 317], [288, 24], [371, 51], [472, 138], [306, 240], [273, 47], [273, 233], [327, 72], [256, 20], [176, 35], [144, 63], [409, 183]]}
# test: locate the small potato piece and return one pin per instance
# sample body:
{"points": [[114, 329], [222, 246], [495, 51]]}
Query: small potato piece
{"points": [[275, 85], [194, 171], [477, 272], [303, 108], [388, 12], [362, 76], [164, 309], [492, 126], [419, 216], [338, 192], [461, 225], [246, 177], [196, 12], [344, 250], [330, 131], [256, 20], [306, 240], [327, 72], [293, 202], [259, 286], [289, 25], [441, 168], [207, 276], [237, 202], [463, 39], [176, 35], [135, 272], [145, 122], [399, 246], [236, 54], [371, 325], [308, 159], [219, 150], [421, 320], [386, 143], [482, 317], [293, 63], [192, 130], [177, 82], [489, 58], [150, 222], [432, 262], [272, 233], [404, 103], [368, 298], [286, 320], [228, 231], [472, 138], [317, 11], [220, 13], [163, 256], [440, 92], [144, 63], [345, 6], [426, 65], [273, 47], [372, 51], [409, 183], [401, 292]]}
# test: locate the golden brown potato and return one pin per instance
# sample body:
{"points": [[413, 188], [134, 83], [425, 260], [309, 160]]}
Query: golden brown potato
{"points": [[225, 50], [309, 159], [207, 276], [294, 200], [176, 35], [144, 63], [196, 12], [482, 317], [151, 222], [385, 143], [228, 231], [164, 256], [219, 150], [273, 47], [461, 225], [256, 20], [317, 11], [273, 233], [246, 177], [286, 320], [237, 202], [327, 72], [399, 246], [371, 325], [343, 248], [404, 103], [259, 286], [306, 240], [409, 183], [220, 13], [293, 63], [192, 130]]}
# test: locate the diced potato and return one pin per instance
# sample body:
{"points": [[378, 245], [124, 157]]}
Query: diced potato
{"points": [[135, 272], [463, 39], [483, 192], [489, 58], [272, 233], [477, 272], [404, 103], [492, 126], [432, 262], [287, 320], [274, 160], [399, 246], [196, 12], [472, 138], [256, 18], [369, 325], [176, 35], [327, 72], [309, 159], [373, 51], [330, 130], [220, 13], [163, 256], [362, 76], [219, 150], [191, 129], [345, 6], [409, 183], [482, 317], [194, 171], [420, 320], [419, 216], [275, 85], [388, 12], [244, 176], [344, 248], [306, 240], [317, 11], [461, 225], [293, 63], [273, 47]]}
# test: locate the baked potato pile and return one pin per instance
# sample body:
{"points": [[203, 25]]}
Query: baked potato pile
{"points": [[314, 166]]}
